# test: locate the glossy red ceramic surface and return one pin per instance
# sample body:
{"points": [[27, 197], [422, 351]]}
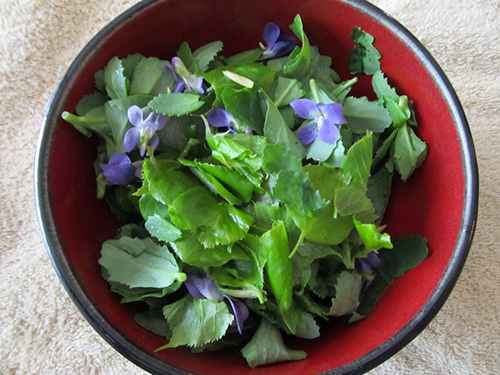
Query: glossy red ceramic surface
{"points": [[431, 203]]}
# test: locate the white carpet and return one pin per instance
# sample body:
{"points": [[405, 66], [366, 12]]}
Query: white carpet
{"points": [[41, 332]]}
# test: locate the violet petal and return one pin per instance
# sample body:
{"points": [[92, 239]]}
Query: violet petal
{"points": [[333, 113], [307, 133], [180, 87], [203, 287], [328, 132], [130, 139], [271, 34], [154, 142], [306, 109], [281, 48], [119, 170], [363, 266], [135, 115], [374, 260], [240, 312], [219, 118]]}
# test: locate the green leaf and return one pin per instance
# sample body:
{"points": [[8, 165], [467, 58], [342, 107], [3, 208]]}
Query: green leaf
{"points": [[149, 75], [379, 191], [115, 80], [94, 121], [347, 291], [230, 185], [365, 58], [141, 294], [286, 90], [357, 164], [164, 181], [385, 147], [176, 104], [325, 178], [289, 182], [306, 254], [277, 132], [324, 273], [307, 328], [323, 228], [153, 321], [244, 58], [407, 254], [322, 71], [279, 266], [244, 278], [299, 61], [320, 151], [339, 93], [130, 63], [382, 88], [162, 229], [90, 102], [216, 224], [196, 322], [241, 153], [409, 152], [148, 266], [204, 55], [267, 347], [186, 55], [352, 200], [191, 252], [151, 207], [99, 81], [371, 236], [363, 115]]}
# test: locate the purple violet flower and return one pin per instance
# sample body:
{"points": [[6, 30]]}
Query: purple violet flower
{"points": [[221, 119], [185, 80], [370, 263], [277, 44], [204, 287], [325, 121], [143, 130], [119, 170]]}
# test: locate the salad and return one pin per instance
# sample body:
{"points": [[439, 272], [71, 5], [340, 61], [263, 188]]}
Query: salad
{"points": [[252, 190]]}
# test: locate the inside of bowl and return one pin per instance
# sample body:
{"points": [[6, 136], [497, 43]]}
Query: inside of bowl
{"points": [[431, 203]]}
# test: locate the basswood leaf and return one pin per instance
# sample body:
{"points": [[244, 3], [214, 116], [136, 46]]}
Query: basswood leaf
{"points": [[153, 321], [371, 236], [298, 63], [286, 90], [147, 76], [409, 152], [363, 115], [244, 58], [267, 347], [365, 58], [162, 229], [176, 104], [279, 266], [147, 266], [407, 254], [196, 322], [206, 54], [115, 80], [347, 290], [191, 252], [90, 102], [130, 63], [379, 191]]}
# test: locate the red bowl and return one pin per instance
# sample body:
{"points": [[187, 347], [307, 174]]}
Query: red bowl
{"points": [[439, 202]]}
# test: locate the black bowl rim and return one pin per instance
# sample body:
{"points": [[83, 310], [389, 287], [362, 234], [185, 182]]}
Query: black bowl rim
{"points": [[361, 365]]}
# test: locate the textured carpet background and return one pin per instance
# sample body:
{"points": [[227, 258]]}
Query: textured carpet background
{"points": [[41, 332]]}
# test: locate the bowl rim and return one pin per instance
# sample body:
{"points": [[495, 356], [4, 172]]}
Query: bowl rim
{"points": [[362, 364]]}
